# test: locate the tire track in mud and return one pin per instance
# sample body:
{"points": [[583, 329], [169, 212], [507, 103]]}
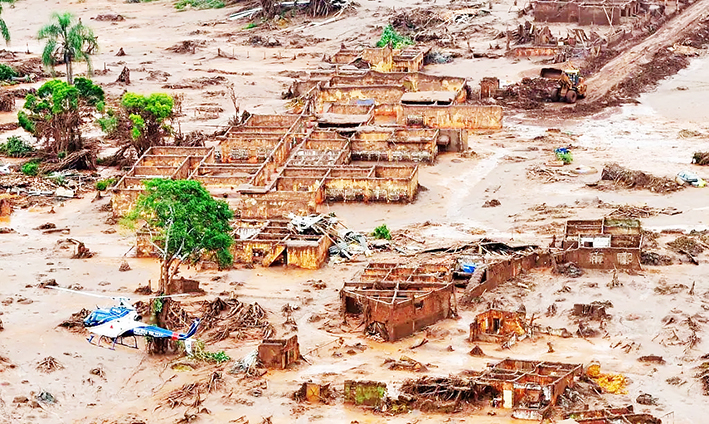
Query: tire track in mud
{"points": [[625, 65], [462, 185]]}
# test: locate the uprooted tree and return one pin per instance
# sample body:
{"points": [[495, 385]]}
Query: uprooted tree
{"points": [[185, 224], [57, 111], [314, 8]]}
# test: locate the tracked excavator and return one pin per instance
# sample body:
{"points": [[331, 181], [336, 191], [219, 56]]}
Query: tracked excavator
{"points": [[571, 85]]}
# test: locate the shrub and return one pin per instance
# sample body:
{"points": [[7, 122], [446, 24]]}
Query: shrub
{"points": [[199, 4], [6, 72], [108, 124], [102, 185], [59, 180], [390, 36], [16, 147], [382, 232], [200, 352], [25, 122], [30, 168]]}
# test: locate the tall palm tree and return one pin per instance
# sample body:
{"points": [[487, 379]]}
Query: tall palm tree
{"points": [[68, 38], [3, 27]]}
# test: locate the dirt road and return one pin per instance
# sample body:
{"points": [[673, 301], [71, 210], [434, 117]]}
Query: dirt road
{"points": [[625, 65]]}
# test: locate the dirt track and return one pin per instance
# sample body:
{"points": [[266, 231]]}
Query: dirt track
{"points": [[625, 65]]}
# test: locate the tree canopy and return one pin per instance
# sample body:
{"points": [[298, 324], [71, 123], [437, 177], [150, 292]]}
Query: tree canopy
{"points": [[68, 39], [149, 116], [55, 114], [4, 31], [185, 224]]}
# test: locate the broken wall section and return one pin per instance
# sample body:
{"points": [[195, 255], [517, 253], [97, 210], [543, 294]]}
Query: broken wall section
{"points": [[395, 302]]}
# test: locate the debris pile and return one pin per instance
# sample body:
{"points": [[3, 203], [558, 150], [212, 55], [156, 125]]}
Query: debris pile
{"points": [[125, 267], [436, 393], [629, 211], [548, 174], [222, 317], [569, 269], [703, 376], [405, 363], [346, 242], [196, 83], [25, 184], [76, 322], [654, 258], [49, 364], [110, 17], [257, 40], [629, 178], [418, 24], [187, 46], [687, 245], [81, 252], [679, 329], [530, 93], [701, 158], [247, 365], [191, 394], [81, 159]]}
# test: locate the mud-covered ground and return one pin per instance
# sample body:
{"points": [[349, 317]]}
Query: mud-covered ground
{"points": [[651, 136]]}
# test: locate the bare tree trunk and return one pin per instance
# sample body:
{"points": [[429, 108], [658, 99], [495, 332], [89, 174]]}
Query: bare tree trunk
{"points": [[270, 8], [164, 276], [69, 74], [168, 270]]}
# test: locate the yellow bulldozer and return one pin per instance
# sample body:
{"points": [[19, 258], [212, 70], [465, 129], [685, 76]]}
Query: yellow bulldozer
{"points": [[571, 85]]}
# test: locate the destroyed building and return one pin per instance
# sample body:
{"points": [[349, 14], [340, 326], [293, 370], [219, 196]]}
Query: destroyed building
{"points": [[585, 13], [269, 174], [271, 165], [405, 99], [299, 241], [395, 301], [607, 243], [279, 353], [497, 326], [268, 241], [384, 59], [622, 415], [497, 262], [358, 136], [529, 388], [508, 327]]}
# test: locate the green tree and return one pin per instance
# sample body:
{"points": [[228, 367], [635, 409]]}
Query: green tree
{"points": [[148, 119], [185, 223], [56, 113], [69, 40], [3, 26]]}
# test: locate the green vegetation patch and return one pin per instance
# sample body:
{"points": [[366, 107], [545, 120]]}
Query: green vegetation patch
{"points": [[199, 4], [390, 36]]}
